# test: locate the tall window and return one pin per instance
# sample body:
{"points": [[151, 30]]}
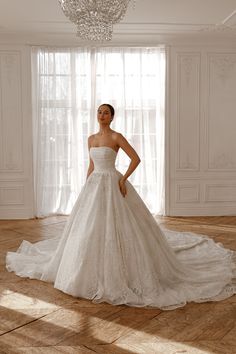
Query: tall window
{"points": [[68, 86]]}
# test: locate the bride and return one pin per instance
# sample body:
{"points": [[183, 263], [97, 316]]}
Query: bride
{"points": [[112, 249]]}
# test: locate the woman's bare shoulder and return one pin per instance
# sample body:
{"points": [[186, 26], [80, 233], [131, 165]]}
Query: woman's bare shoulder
{"points": [[119, 138], [116, 135], [91, 140], [91, 137]]}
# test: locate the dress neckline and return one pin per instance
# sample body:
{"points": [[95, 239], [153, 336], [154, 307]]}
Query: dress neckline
{"points": [[104, 146]]}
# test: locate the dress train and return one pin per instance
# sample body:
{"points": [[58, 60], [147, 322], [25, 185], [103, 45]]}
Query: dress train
{"points": [[112, 250]]}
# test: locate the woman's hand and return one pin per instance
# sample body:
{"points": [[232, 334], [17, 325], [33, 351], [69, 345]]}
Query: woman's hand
{"points": [[122, 186]]}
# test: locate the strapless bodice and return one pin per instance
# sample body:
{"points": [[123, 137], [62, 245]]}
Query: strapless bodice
{"points": [[103, 158]]}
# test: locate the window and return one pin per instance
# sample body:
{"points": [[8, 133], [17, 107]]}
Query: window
{"points": [[69, 85]]}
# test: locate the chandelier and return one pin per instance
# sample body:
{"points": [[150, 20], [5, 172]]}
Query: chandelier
{"points": [[94, 18]]}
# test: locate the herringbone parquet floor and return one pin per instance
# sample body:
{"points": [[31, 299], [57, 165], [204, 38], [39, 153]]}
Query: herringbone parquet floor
{"points": [[36, 318]]}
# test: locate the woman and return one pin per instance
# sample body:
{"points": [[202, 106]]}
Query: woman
{"points": [[112, 249], [108, 137]]}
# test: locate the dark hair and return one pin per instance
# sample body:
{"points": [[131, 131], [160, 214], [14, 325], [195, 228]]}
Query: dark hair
{"points": [[112, 110]]}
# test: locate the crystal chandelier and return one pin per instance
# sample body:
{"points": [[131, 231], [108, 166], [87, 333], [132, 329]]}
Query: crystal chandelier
{"points": [[94, 18]]}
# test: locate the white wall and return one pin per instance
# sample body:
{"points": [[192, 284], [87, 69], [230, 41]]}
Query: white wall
{"points": [[15, 133], [200, 135], [201, 177]]}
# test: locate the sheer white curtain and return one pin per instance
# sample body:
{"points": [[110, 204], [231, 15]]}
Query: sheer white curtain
{"points": [[68, 86]]}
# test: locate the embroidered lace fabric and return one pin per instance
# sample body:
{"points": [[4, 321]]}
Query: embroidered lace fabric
{"points": [[112, 250]]}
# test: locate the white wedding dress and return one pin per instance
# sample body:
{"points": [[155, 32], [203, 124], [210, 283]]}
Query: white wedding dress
{"points": [[113, 250]]}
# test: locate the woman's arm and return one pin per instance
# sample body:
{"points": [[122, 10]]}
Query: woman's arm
{"points": [[91, 164], [135, 161]]}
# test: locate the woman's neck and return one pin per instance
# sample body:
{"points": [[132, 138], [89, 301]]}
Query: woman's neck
{"points": [[104, 130]]}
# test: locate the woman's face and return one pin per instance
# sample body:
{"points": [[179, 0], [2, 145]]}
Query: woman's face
{"points": [[104, 115]]}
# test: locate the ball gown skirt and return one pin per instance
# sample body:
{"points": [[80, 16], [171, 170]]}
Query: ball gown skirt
{"points": [[112, 250]]}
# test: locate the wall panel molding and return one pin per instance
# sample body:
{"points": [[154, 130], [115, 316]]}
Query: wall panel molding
{"points": [[221, 107], [220, 193], [224, 64], [187, 193], [202, 126], [11, 156], [188, 111], [12, 195], [16, 192]]}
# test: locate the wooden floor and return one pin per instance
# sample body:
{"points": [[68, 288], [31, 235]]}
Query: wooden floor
{"points": [[36, 318]]}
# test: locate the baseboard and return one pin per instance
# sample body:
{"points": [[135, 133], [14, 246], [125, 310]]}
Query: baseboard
{"points": [[203, 211]]}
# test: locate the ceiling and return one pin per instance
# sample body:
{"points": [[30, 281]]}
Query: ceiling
{"points": [[146, 21]]}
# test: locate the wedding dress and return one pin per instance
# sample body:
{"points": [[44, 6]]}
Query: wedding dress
{"points": [[112, 250]]}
